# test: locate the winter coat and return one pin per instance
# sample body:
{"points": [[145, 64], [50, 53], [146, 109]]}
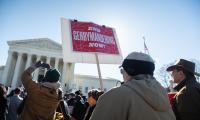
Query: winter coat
{"points": [[186, 104], [14, 102], [78, 110], [63, 108], [3, 108], [141, 98], [41, 102], [89, 111]]}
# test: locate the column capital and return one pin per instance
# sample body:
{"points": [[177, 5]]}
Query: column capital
{"points": [[38, 56], [19, 54], [48, 57], [10, 52], [28, 54]]}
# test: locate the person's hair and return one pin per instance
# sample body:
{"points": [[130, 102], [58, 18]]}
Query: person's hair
{"points": [[2, 91], [78, 92], [95, 93], [17, 91]]}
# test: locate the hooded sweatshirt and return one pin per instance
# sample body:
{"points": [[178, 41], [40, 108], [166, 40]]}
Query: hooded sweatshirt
{"points": [[142, 98]]}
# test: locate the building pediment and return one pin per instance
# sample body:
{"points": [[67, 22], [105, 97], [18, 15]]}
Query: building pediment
{"points": [[40, 43]]}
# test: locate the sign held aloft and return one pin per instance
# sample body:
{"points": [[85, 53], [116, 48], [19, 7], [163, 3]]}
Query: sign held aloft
{"points": [[80, 40], [90, 37]]}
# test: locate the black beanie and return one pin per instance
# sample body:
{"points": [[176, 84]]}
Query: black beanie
{"points": [[52, 75], [138, 63]]}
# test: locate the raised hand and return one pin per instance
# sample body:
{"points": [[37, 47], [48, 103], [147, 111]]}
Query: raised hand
{"points": [[38, 64], [45, 65]]}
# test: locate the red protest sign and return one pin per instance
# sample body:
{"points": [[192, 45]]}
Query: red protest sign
{"points": [[90, 37]]}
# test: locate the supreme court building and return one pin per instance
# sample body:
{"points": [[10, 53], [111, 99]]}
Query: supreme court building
{"points": [[23, 53]]}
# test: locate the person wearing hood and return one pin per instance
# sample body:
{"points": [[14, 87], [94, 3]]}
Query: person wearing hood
{"points": [[42, 98], [186, 102], [141, 97]]}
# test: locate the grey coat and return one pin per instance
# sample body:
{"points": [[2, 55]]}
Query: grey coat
{"points": [[141, 98]]}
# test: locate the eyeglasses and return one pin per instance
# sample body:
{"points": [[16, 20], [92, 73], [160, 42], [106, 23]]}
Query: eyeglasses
{"points": [[122, 71]]}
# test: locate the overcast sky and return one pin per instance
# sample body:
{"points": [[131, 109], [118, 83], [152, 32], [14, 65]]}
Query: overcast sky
{"points": [[171, 27]]}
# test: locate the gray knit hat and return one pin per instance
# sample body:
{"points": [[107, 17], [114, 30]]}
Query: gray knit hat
{"points": [[138, 63], [140, 56]]}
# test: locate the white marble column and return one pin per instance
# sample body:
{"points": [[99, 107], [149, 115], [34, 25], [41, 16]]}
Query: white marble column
{"points": [[48, 61], [56, 63], [70, 75], [64, 73], [28, 62], [35, 77], [7, 68], [17, 70]]}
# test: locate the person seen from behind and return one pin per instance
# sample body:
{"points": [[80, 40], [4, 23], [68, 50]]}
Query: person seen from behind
{"points": [[186, 102], [14, 102], [93, 96], [140, 97], [42, 98], [78, 109]]}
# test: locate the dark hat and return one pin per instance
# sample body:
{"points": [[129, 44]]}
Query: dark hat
{"points": [[138, 63], [183, 64], [52, 75], [78, 92]]}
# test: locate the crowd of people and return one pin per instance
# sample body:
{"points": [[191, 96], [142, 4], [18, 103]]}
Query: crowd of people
{"points": [[140, 97]]}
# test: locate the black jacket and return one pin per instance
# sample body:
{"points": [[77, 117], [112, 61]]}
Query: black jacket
{"points": [[3, 108], [89, 112], [78, 110], [186, 104]]}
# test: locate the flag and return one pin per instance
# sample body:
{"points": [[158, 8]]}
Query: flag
{"points": [[145, 47], [146, 50]]}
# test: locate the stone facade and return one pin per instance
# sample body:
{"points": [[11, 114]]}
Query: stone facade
{"points": [[23, 53]]}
